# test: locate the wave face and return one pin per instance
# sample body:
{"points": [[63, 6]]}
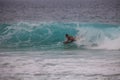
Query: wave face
{"points": [[51, 35]]}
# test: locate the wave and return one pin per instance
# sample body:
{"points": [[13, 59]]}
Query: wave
{"points": [[51, 35]]}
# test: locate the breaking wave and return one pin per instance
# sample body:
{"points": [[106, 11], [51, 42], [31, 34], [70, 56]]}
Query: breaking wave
{"points": [[51, 35]]}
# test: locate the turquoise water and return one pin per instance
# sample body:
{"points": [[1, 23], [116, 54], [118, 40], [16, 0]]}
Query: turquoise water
{"points": [[49, 36]]}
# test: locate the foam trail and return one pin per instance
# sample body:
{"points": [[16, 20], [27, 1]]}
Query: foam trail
{"points": [[109, 44]]}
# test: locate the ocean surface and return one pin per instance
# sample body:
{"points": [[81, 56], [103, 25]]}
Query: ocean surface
{"points": [[32, 33], [35, 51]]}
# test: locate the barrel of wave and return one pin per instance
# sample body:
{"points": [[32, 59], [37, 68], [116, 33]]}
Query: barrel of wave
{"points": [[29, 34]]}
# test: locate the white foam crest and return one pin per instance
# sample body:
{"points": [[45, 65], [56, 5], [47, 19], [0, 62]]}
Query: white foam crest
{"points": [[109, 44], [88, 36], [79, 37], [93, 38], [23, 26]]}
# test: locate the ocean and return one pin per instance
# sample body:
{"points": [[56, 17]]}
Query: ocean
{"points": [[32, 34]]}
